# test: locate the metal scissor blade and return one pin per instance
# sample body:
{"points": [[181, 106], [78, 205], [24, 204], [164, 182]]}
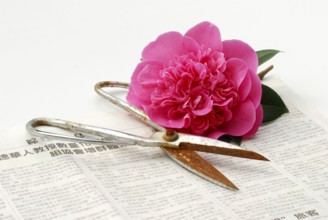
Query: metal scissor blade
{"points": [[209, 145], [235, 152], [198, 165], [204, 144]]}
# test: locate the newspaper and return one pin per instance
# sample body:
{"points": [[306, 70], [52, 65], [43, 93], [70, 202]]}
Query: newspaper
{"points": [[44, 179]]}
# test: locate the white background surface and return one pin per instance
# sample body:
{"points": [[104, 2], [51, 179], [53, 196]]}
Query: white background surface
{"points": [[53, 52]]}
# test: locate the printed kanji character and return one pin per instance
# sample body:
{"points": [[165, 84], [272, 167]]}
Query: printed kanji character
{"points": [[27, 152], [49, 147], [32, 141], [300, 215], [78, 151], [312, 213], [90, 150], [67, 151], [61, 145], [38, 150], [55, 153], [101, 148], [111, 147], [15, 155], [4, 157], [83, 144], [73, 145]]}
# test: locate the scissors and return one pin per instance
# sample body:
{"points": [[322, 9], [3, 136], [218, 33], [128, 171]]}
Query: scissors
{"points": [[178, 146]]}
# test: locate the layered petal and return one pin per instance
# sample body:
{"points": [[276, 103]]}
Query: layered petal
{"points": [[256, 89], [245, 88], [207, 35], [237, 70], [239, 49], [243, 120], [214, 133], [161, 116], [143, 82], [258, 121], [167, 46]]}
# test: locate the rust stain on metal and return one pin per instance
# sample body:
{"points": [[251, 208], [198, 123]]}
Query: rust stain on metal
{"points": [[243, 153], [200, 165], [170, 135]]}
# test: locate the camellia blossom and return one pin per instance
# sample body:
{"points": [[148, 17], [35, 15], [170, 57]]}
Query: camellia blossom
{"points": [[196, 83]]}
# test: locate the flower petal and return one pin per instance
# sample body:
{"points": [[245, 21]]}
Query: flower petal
{"points": [[207, 35], [237, 70], [160, 116], [205, 109], [245, 88], [258, 122], [239, 49], [199, 125], [214, 133], [143, 82], [168, 45], [242, 121], [256, 90]]}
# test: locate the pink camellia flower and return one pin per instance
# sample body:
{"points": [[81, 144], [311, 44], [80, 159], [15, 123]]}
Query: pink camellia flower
{"points": [[196, 83]]}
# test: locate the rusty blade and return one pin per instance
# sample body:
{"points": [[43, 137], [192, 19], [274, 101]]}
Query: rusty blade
{"points": [[204, 144], [198, 165], [235, 152]]}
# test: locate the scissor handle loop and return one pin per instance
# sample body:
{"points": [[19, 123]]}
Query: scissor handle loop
{"points": [[122, 104], [98, 135]]}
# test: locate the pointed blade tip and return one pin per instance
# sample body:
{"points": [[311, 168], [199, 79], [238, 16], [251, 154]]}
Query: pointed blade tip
{"points": [[261, 157], [249, 154], [226, 185], [232, 187]]}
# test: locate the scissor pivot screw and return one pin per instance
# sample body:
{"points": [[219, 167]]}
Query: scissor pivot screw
{"points": [[170, 135]]}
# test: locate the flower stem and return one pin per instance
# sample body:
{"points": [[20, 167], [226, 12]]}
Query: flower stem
{"points": [[264, 72]]}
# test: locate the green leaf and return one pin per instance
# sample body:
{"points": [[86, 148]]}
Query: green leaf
{"points": [[273, 105], [265, 55], [231, 139]]}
